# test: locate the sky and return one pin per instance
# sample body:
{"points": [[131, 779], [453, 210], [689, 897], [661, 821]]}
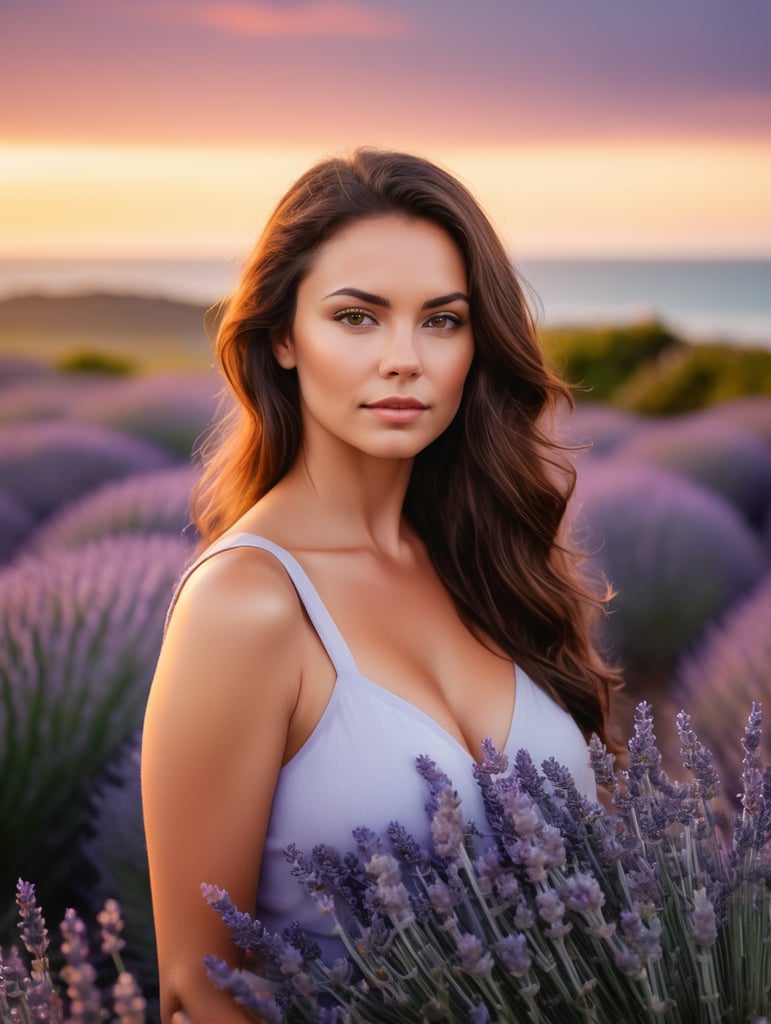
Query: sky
{"points": [[585, 127]]}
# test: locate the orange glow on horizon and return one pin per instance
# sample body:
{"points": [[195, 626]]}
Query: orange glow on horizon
{"points": [[344, 20], [589, 199]]}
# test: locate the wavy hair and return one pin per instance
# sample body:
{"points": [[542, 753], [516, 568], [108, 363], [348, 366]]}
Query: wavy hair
{"points": [[488, 497]]}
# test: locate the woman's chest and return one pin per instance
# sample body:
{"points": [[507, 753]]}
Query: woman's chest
{"points": [[406, 636]]}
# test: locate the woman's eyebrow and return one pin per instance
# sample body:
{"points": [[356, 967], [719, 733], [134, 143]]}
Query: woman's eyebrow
{"points": [[357, 293], [444, 300], [378, 300]]}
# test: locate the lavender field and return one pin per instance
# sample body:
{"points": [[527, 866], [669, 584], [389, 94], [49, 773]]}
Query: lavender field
{"points": [[95, 473]]}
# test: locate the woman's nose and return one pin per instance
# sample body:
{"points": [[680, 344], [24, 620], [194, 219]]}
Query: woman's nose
{"points": [[399, 354]]}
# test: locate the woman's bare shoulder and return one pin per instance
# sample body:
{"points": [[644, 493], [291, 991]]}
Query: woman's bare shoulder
{"points": [[237, 620], [236, 587]]}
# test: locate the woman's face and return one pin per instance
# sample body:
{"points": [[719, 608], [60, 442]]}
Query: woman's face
{"points": [[381, 338]]}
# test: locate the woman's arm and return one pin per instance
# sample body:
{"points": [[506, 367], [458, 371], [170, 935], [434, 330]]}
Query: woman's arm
{"points": [[215, 731]]}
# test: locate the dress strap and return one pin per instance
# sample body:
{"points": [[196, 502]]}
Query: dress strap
{"points": [[322, 621]]}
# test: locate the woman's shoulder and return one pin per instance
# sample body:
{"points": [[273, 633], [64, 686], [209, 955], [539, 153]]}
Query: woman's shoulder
{"points": [[240, 592]]}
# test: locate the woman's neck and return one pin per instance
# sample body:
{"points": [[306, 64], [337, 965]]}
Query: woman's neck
{"points": [[351, 500]]}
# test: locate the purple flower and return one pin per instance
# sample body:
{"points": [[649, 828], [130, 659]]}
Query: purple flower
{"points": [[628, 961], [644, 939], [697, 759], [245, 932], [514, 953], [479, 1014], [443, 898], [240, 987], [583, 894], [128, 1002], [391, 897], [447, 826], [552, 910], [703, 923], [602, 764], [473, 957], [111, 924], [407, 848], [644, 755], [78, 973], [34, 933]]}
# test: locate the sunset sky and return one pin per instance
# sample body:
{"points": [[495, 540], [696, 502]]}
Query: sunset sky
{"points": [[585, 127]]}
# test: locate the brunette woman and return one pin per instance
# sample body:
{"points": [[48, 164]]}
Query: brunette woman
{"points": [[385, 572]]}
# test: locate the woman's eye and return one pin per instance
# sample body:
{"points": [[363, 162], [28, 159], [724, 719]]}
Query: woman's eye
{"points": [[353, 317], [443, 321]]}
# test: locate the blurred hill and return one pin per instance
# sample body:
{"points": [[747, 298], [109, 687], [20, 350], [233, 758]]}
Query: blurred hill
{"points": [[155, 333]]}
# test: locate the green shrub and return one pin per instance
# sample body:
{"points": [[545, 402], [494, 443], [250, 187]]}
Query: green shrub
{"points": [[696, 376], [599, 360], [97, 362]]}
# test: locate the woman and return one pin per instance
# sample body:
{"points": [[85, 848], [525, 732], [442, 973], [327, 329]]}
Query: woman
{"points": [[388, 446]]}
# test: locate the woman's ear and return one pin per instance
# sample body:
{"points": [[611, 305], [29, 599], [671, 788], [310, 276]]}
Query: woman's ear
{"points": [[282, 346]]}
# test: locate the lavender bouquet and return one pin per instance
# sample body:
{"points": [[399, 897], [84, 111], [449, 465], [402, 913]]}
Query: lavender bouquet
{"points": [[553, 910], [30, 992]]}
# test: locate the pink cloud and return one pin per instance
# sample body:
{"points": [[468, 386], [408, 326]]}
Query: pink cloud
{"points": [[309, 19]]}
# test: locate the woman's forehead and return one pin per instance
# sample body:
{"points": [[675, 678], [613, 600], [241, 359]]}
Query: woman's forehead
{"points": [[389, 251]]}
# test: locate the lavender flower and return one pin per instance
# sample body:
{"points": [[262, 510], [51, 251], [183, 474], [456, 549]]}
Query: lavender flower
{"points": [[602, 764], [703, 923], [111, 924], [697, 759], [129, 1004], [583, 894], [34, 933], [474, 959], [242, 989], [552, 910], [78, 972], [447, 825], [514, 954]]}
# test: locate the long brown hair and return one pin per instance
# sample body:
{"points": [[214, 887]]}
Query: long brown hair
{"points": [[488, 497]]}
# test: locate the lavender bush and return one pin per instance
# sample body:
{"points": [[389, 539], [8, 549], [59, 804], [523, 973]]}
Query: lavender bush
{"points": [[29, 992], [172, 410], [14, 369], [751, 413], [15, 524], [49, 463], [730, 667], [677, 555], [116, 851], [156, 502], [711, 451], [601, 426], [80, 633], [551, 910], [51, 395]]}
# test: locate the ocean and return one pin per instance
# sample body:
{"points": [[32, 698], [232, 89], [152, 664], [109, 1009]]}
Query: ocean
{"points": [[703, 300]]}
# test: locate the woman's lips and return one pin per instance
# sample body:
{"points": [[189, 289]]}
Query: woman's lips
{"points": [[397, 410]]}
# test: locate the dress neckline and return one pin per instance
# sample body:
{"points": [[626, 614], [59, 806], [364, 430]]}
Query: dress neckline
{"points": [[337, 649]]}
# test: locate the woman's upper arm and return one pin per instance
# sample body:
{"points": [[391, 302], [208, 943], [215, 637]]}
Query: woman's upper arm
{"points": [[213, 744]]}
